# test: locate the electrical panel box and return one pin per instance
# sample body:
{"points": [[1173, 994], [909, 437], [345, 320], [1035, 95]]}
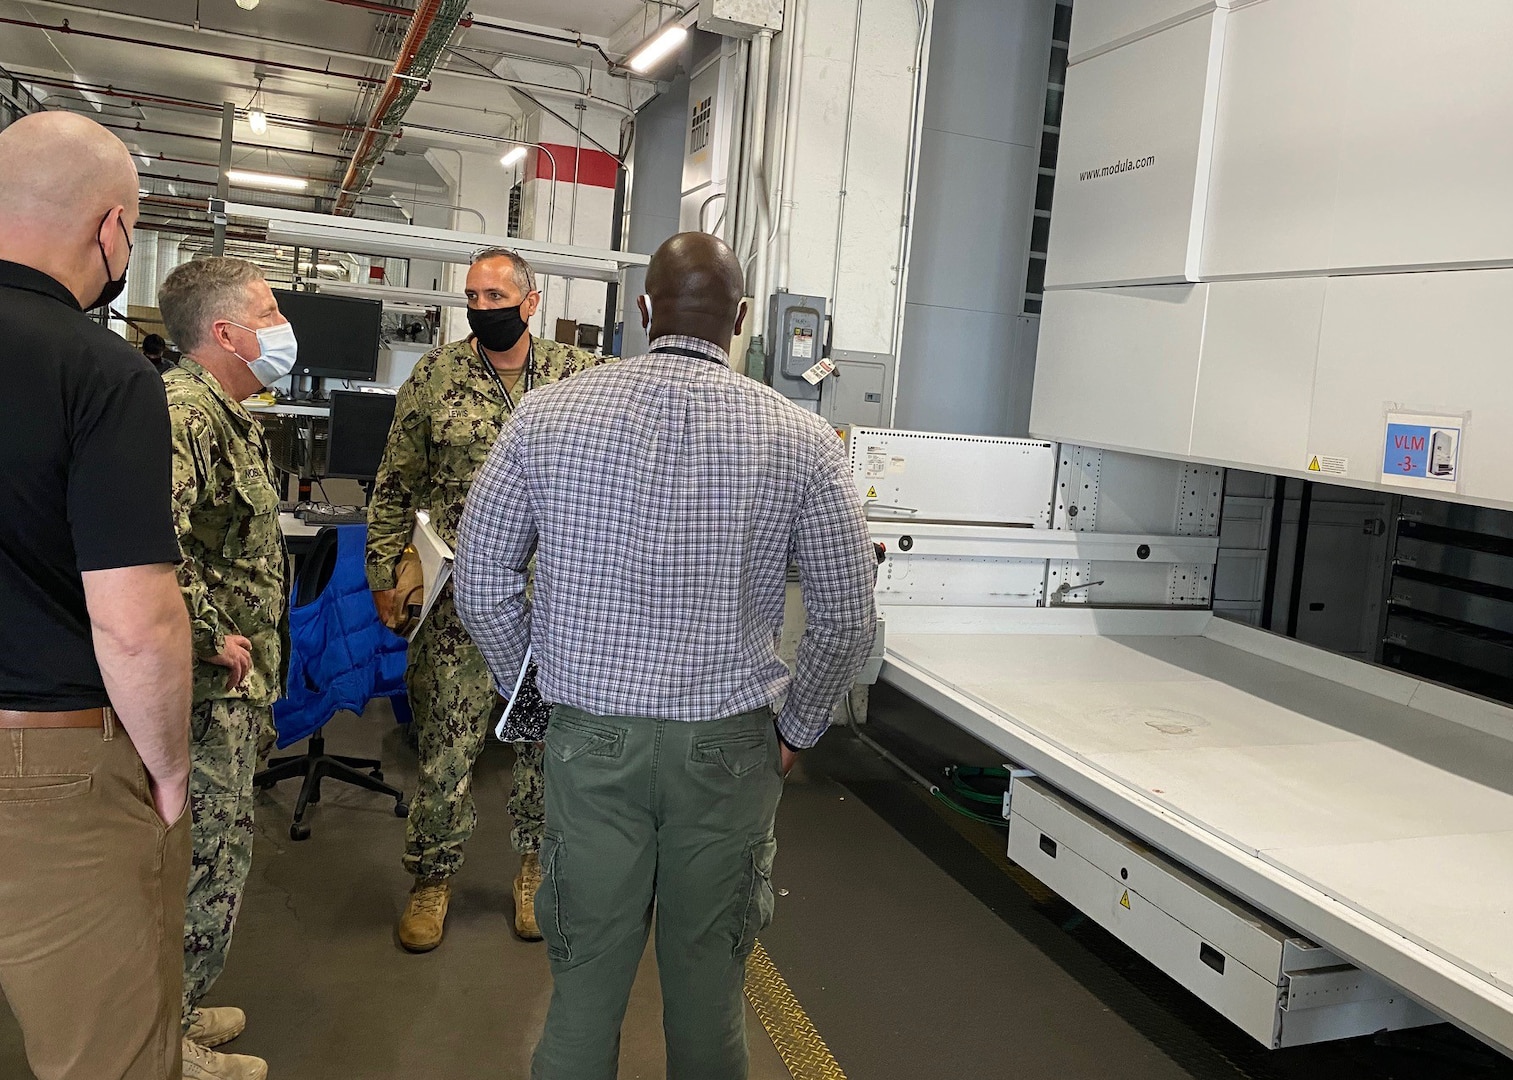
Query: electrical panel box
{"points": [[740, 18], [795, 344], [860, 391]]}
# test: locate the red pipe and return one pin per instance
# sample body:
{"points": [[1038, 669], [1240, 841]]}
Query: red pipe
{"points": [[420, 23], [65, 28]]}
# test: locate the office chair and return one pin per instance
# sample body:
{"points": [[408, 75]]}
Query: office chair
{"points": [[315, 764]]}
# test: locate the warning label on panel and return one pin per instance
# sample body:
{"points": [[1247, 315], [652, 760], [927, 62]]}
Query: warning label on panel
{"points": [[1328, 466], [1124, 901]]}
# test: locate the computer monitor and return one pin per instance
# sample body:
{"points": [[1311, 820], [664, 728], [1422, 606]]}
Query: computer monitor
{"points": [[338, 335], [359, 430]]}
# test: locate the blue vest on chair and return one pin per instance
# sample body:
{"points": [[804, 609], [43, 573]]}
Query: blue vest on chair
{"points": [[340, 656]]}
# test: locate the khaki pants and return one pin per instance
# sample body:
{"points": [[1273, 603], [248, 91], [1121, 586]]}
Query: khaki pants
{"points": [[656, 818], [91, 907]]}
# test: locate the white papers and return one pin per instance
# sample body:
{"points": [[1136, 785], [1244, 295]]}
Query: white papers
{"points": [[509, 706], [435, 565]]}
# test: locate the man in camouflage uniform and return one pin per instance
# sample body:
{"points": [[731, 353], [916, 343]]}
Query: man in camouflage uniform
{"points": [[448, 415], [226, 507]]}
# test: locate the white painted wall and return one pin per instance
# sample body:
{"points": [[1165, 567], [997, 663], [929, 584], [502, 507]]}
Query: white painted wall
{"points": [[865, 244]]}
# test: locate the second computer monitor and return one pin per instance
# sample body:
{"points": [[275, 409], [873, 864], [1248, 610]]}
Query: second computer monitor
{"points": [[359, 431]]}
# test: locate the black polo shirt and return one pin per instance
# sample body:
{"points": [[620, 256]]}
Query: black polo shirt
{"points": [[86, 467]]}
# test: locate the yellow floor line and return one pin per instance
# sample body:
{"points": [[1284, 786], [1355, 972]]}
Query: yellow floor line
{"points": [[797, 1043]]}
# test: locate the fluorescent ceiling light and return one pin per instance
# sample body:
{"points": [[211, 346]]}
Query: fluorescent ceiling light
{"points": [[267, 180], [512, 157], [666, 40], [145, 160], [257, 120]]}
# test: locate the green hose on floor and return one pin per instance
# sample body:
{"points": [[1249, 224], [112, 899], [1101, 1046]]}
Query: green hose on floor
{"points": [[973, 787]]}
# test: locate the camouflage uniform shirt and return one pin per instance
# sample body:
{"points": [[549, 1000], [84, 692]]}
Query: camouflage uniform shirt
{"points": [[225, 495], [449, 412]]}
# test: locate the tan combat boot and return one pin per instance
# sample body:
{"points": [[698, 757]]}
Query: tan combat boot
{"points": [[425, 917], [526, 884], [203, 1064], [215, 1027]]}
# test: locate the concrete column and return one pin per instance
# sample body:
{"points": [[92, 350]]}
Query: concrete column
{"points": [[655, 192], [968, 349]]}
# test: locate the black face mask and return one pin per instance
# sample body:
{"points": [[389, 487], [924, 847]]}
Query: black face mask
{"points": [[113, 286], [497, 329]]}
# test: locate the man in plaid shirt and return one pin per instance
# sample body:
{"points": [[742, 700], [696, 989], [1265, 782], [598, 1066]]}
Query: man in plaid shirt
{"points": [[664, 498]]}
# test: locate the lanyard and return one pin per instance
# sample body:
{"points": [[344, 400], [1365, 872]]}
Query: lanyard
{"points": [[679, 350], [530, 374]]}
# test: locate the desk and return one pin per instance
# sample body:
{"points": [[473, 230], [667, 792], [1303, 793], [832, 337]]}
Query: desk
{"points": [[281, 409], [299, 538]]}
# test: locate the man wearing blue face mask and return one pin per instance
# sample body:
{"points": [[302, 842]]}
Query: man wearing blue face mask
{"points": [[234, 342]]}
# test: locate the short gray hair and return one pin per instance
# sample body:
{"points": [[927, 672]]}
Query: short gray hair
{"points": [[520, 270], [199, 293]]}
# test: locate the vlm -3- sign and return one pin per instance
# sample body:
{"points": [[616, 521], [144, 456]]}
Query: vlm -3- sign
{"points": [[1423, 451]]}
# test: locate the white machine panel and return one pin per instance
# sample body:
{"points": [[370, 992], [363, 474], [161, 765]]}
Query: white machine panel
{"points": [[1118, 368], [1100, 25], [1132, 171], [1361, 136], [923, 476]]}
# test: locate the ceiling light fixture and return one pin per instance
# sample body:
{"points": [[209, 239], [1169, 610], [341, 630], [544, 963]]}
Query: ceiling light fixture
{"points": [[513, 157], [246, 5], [657, 47], [267, 180], [257, 119]]}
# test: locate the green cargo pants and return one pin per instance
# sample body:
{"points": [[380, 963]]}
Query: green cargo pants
{"points": [[654, 815]]}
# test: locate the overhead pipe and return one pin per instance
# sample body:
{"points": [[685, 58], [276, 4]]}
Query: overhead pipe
{"points": [[375, 6], [139, 129], [840, 210], [216, 165], [138, 98], [335, 54], [756, 172], [399, 89], [577, 41], [65, 28], [795, 20]]}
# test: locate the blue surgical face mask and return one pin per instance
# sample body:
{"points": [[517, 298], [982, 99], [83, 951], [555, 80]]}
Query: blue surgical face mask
{"points": [[277, 351]]}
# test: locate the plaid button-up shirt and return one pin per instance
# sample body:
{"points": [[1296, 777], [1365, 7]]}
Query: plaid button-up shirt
{"points": [[664, 498]]}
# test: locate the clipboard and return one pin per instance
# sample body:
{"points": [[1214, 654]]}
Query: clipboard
{"points": [[436, 559]]}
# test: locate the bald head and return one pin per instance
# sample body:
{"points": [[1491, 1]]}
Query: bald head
{"points": [[696, 285], [69, 189]]}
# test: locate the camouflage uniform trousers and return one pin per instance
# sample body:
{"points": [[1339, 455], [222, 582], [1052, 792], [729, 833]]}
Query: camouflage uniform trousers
{"points": [[223, 753], [453, 701]]}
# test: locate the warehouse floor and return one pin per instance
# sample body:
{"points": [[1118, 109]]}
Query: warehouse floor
{"points": [[907, 942]]}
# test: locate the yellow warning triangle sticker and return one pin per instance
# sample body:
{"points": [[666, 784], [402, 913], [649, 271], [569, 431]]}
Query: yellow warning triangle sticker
{"points": [[1313, 466], [1124, 901], [872, 493]]}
